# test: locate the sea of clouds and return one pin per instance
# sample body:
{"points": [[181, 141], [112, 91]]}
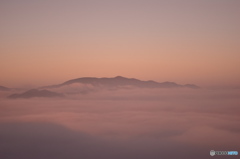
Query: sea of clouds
{"points": [[125, 123]]}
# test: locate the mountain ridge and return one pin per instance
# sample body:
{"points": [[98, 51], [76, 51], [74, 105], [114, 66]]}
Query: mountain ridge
{"points": [[120, 81], [35, 93]]}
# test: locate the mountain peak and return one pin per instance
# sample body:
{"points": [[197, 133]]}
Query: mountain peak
{"points": [[120, 77]]}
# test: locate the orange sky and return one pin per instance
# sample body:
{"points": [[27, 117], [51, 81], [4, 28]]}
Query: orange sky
{"points": [[49, 42]]}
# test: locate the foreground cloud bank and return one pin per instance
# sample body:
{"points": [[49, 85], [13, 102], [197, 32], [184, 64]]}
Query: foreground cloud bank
{"points": [[135, 123]]}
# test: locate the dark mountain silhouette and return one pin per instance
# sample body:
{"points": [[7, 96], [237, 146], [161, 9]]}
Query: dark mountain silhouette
{"points": [[36, 93], [2, 88], [121, 82]]}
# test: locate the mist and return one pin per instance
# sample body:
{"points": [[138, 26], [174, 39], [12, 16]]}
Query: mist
{"points": [[124, 123]]}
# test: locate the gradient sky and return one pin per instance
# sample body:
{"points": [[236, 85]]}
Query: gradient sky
{"points": [[187, 41]]}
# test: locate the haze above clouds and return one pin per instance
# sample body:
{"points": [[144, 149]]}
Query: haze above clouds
{"points": [[48, 41]]}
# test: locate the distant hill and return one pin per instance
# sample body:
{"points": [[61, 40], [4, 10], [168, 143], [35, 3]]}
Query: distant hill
{"points": [[120, 81], [2, 88], [36, 93]]}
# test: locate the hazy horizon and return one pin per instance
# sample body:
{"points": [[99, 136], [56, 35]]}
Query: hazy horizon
{"points": [[33, 85]]}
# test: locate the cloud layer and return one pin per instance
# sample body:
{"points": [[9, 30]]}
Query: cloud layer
{"points": [[136, 123]]}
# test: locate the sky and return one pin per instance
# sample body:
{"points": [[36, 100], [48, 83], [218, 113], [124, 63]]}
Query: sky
{"points": [[188, 41]]}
